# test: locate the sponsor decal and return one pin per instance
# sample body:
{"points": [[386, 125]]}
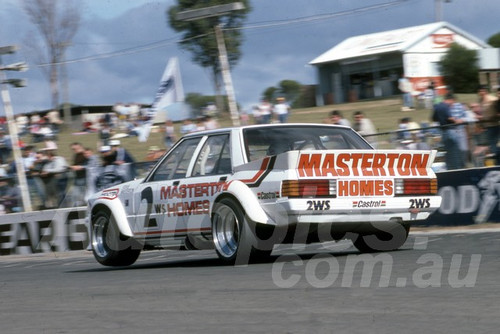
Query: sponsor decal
{"points": [[368, 204], [420, 203], [268, 195], [442, 40], [110, 194], [183, 208], [366, 188], [192, 190], [318, 205], [362, 164]]}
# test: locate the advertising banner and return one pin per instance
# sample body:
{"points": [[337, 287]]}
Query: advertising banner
{"points": [[470, 196]]}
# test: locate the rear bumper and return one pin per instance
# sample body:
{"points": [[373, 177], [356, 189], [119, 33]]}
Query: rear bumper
{"points": [[351, 210]]}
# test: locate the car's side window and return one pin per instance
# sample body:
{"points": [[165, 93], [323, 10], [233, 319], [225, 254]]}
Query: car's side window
{"points": [[214, 157], [176, 163]]}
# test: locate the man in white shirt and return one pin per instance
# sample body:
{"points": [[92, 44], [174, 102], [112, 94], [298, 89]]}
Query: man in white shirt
{"points": [[265, 111], [281, 110], [364, 127]]}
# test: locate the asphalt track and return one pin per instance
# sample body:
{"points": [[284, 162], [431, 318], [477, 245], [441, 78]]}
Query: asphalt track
{"points": [[423, 288]]}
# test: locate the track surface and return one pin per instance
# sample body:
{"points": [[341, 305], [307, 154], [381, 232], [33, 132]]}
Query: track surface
{"points": [[423, 288]]}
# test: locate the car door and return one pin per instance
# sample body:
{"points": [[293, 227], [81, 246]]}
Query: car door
{"points": [[211, 168], [158, 201]]}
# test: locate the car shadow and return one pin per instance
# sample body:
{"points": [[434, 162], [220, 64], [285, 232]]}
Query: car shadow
{"points": [[191, 262]]}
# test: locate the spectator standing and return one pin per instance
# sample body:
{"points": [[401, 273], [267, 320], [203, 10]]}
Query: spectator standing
{"points": [[411, 127], [257, 119], [35, 181], [10, 196], [92, 159], [364, 126], [121, 154], [265, 109], [200, 124], [487, 104], [123, 157], [429, 95], [55, 179], [5, 147], [105, 133], [442, 115], [337, 118], [244, 118], [22, 124], [211, 123], [79, 168], [281, 110], [406, 88], [54, 119], [169, 138], [459, 115], [188, 126], [478, 142]]}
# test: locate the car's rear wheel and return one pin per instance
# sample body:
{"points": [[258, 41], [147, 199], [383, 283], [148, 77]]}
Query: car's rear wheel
{"points": [[389, 239], [234, 239], [110, 247]]}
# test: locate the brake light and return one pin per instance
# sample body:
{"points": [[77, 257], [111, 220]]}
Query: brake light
{"points": [[308, 188], [415, 187]]}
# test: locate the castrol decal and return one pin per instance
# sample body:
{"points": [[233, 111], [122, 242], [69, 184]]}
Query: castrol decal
{"points": [[359, 165]]}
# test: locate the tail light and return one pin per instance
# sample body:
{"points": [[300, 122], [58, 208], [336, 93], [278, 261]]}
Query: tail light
{"points": [[415, 187], [309, 188]]}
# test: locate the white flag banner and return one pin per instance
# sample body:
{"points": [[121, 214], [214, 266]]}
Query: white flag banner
{"points": [[169, 92]]}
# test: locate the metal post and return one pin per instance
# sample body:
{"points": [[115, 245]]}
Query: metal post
{"points": [[196, 14], [439, 9], [9, 114], [226, 76]]}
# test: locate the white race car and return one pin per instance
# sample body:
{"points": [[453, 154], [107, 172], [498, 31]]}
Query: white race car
{"points": [[243, 190]]}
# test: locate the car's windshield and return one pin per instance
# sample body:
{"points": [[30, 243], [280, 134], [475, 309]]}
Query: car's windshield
{"points": [[265, 141]]}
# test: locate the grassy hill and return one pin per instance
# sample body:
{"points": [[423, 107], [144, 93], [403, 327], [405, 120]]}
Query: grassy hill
{"points": [[384, 113]]}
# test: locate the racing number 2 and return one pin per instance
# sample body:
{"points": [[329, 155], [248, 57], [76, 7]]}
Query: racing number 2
{"points": [[147, 194]]}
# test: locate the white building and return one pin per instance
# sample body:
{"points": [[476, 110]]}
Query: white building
{"points": [[369, 66]]}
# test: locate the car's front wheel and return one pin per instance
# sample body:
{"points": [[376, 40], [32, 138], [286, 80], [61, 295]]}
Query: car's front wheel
{"points": [[110, 247], [234, 238]]}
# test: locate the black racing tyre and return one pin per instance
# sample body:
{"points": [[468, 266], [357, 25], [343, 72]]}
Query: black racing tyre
{"points": [[383, 241], [110, 247], [235, 240]]}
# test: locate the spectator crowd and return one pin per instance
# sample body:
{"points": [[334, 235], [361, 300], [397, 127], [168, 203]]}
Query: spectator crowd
{"points": [[466, 135]]}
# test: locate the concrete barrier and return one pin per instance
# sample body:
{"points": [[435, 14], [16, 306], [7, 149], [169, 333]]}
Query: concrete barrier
{"points": [[43, 231]]}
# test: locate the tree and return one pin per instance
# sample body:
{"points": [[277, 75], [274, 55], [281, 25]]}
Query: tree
{"points": [[290, 89], [57, 23], [198, 102], [494, 40], [269, 93], [199, 38], [459, 69]]}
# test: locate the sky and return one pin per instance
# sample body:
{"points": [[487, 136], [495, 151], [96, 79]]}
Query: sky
{"points": [[122, 46]]}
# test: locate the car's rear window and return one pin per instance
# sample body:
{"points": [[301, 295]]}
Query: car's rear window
{"points": [[266, 141]]}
